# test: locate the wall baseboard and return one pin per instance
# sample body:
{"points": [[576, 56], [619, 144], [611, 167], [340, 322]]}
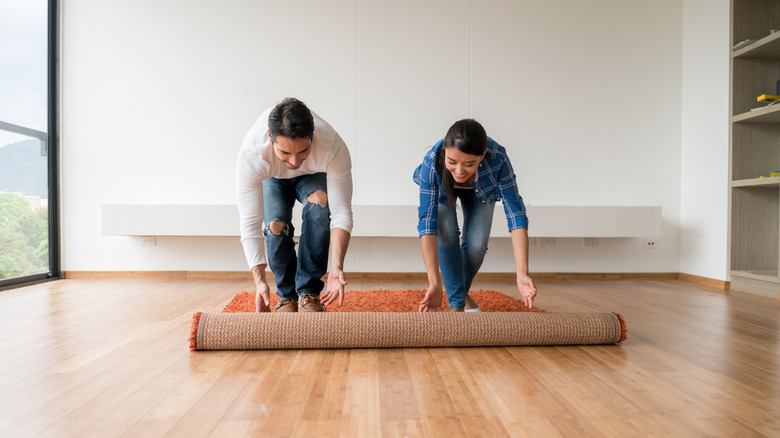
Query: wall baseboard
{"points": [[489, 276], [160, 275], [711, 282], [605, 276]]}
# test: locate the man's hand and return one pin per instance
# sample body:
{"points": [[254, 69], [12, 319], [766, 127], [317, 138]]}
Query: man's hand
{"points": [[262, 296], [336, 283], [527, 289], [432, 300]]}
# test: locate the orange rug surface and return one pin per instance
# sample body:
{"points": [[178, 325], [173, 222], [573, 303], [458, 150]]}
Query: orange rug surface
{"points": [[392, 301]]}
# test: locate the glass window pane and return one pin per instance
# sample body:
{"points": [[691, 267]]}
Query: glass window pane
{"points": [[23, 61], [24, 226], [24, 237]]}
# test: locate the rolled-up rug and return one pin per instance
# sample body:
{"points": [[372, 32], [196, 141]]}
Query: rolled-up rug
{"points": [[247, 331]]}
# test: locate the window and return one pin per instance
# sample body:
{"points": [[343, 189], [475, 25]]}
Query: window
{"points": [[29, 208]]}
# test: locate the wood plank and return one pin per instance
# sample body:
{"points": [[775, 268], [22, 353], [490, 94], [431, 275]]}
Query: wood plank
{"points": [[361, 410], [471, 403], [438, 415], [512, 393]]}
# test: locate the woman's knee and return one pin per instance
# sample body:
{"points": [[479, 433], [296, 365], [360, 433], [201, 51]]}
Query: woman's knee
{"points": [[476, 253]]}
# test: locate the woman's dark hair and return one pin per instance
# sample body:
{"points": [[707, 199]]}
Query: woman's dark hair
{"points": [[292, 119], [470, 138]]}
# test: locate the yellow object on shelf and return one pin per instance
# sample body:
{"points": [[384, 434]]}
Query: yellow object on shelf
{"points": [[774, 174], [767, 98]]}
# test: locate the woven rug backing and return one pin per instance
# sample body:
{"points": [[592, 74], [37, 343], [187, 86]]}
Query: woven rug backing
{"points": [[246, 331]]}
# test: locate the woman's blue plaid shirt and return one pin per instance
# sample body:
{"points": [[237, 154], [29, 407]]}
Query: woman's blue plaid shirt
{"points": [[494, 180]]}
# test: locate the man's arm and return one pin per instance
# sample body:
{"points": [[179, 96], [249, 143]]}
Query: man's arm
{"points": [[340, 203], [249, 197], [339, 241], [263, 292]]}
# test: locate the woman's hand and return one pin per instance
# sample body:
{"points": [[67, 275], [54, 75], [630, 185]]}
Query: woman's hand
{"points": [[527, 289], [432, 300]]}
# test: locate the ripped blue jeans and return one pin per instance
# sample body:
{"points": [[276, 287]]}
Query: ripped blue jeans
{"points": [[297, 274]]}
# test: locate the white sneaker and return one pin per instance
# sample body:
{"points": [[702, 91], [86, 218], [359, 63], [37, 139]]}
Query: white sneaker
{"points": [[470, 301]]}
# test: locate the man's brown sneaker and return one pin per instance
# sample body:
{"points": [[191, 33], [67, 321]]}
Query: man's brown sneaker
{"points": [[311, 303], [286, 306]]}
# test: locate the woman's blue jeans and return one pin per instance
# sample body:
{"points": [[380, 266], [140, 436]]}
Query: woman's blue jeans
{"points": [[299, 274], [460, 259]]}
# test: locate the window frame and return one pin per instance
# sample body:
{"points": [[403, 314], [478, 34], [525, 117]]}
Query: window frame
{"points": [[52, 145]]}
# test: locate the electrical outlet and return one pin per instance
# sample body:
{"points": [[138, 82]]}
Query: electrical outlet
{"points": [[548, 241], [591, 243], [650, 244], [148, 241]]}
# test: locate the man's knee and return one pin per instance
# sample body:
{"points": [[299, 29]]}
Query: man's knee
{"points": [[276, 227], [318, 197]]}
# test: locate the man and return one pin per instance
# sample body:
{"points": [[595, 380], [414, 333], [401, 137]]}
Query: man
{"points": [[291, 154]]}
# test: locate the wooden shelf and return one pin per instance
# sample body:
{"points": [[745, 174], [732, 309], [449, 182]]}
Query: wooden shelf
{"points": [[757, 182], [770, 114], [767, 47], [757, 275]]}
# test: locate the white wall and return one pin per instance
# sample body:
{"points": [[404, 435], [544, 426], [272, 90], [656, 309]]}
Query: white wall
{"points": [[705, 144], [586, 96]]}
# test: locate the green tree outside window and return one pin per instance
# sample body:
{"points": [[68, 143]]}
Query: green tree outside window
{"points": [[24, 240]]}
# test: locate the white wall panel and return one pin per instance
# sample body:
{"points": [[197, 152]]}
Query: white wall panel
{"points": [[157, 97], [412, 84], [586, 96], [705, 144]]}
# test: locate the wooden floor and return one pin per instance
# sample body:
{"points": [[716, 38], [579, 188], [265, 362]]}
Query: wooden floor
{"points": [[108, 358]]}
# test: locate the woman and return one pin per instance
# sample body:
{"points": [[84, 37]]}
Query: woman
{"points": [[470, 166]]}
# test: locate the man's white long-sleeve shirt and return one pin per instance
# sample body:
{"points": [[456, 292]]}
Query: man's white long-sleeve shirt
{"points": [[257, 162]]}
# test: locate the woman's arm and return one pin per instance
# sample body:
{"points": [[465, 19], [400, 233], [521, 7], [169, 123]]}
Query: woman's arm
{"points": [[520, 248], [430, 253]]}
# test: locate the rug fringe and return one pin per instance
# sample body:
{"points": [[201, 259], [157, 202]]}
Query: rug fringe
{"points": [[194, 331], [623, 328]]}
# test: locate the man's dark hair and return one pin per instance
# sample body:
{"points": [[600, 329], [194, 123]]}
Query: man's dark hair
{"points": [[292, 119]]}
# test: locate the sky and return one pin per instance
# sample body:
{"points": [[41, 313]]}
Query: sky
{"points": [[23, 31]]}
